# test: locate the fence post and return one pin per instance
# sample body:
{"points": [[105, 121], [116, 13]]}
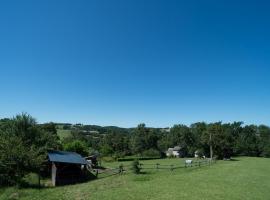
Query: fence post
{"points": [[39, 179], [121, 169], [199, 163], [97, 173], [157, 166]]}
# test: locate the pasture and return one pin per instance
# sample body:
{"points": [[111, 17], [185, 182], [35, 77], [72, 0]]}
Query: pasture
{"points": [[63, 133], [244, 178]]}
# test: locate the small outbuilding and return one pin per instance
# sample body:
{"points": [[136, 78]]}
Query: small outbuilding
{"points": [[173, 152], [67, 167]]}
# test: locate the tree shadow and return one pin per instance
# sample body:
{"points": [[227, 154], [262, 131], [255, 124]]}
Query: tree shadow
{"points": [[233, 159], [144, 173]]}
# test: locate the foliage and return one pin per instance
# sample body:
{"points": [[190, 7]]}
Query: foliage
{"points": [[135, 167], [32, 141], [136, 158], [143, 139], [247, 178], [183, 137], [77, 146], [151, 153], [108, 159], [23, 147], [227, 139]]}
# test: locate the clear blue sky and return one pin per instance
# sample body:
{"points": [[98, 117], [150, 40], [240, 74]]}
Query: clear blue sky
{"points": [[126, 62]]}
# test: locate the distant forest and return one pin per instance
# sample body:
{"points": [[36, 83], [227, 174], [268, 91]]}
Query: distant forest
{"points": [[24, 143]]}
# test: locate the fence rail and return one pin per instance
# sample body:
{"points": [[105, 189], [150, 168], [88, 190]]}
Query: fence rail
{"points": [[102, 173]]}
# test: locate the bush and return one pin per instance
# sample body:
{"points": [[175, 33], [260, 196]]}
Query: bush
{"points": [[106, 150], [135, 167], [118, 155], [136, 158], [266, 152], [78, 147]]}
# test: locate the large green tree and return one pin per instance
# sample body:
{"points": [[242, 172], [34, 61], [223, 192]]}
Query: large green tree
{"points": [[23, 147]]}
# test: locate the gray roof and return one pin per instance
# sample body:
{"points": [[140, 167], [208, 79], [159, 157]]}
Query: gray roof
{"points": [[177, 148], [66, 157]]}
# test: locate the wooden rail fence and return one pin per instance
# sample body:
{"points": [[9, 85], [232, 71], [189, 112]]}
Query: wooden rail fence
{"points": [[103, 173]]}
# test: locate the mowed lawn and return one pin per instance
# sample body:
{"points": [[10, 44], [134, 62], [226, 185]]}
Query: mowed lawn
{"points": [[246, 178]]}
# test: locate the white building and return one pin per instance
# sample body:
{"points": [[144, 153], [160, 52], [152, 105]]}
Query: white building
{"points": [[173, 152]]}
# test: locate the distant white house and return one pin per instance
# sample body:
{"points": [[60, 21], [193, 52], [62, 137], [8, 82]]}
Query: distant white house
{"points": [[165, 130], [173, 152], [199, 154], [196, 154]]}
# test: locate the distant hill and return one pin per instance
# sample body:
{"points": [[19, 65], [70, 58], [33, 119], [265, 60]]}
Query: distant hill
{"points": [[99, 129], [64, 129]]}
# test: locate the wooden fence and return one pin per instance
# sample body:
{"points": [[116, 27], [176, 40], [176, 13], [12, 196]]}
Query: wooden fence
{"points": [[103, 173]]}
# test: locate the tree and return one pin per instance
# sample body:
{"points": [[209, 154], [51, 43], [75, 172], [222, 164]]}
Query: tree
{"points": [[198, 129], [264, 137], [49, 127], [117, 142], [249, 142], [182, 136], [77, 146], [143, 139], [135, 167], [23, 147], [138, 140], [106, 150]]}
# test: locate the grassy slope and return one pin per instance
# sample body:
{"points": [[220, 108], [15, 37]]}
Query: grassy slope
{"points": [[248, 178]]}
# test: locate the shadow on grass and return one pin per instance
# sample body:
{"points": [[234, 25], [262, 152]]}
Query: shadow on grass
{"points": [[25, 184], [233, 159], [34, 184], [145, 173], [143, 176]]}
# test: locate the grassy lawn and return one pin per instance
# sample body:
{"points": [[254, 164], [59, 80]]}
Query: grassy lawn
{"points": [[246, 178]]}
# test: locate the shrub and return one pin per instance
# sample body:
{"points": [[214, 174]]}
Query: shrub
{"points": [[136, 167], [136, 158], [78, 147], [106, 150]]}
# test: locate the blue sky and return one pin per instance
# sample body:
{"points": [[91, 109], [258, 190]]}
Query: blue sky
{"points": [[126, 62]]}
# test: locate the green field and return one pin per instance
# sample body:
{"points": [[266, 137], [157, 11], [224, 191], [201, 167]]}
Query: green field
{"points": [[63, 133], [245, 178]]}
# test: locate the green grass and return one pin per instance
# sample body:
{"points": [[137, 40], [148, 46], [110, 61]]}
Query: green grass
{"points": [[63, 133], [247, 178]]}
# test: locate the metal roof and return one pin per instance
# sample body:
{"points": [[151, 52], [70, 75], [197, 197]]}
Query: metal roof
{"points": [[66, 157], [177, 148]]}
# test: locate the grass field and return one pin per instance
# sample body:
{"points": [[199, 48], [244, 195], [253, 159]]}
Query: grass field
{"points": [[63, 133], [246, 178]]}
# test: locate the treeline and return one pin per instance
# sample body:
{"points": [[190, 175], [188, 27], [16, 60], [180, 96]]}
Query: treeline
{"points": [[24, 143], [92, 128], [227, 139]]}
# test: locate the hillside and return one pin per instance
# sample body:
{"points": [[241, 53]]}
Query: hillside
{"points": [[245, 178]]}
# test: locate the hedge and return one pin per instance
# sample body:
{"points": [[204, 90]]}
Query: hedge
{"points": [[136, 158]]}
